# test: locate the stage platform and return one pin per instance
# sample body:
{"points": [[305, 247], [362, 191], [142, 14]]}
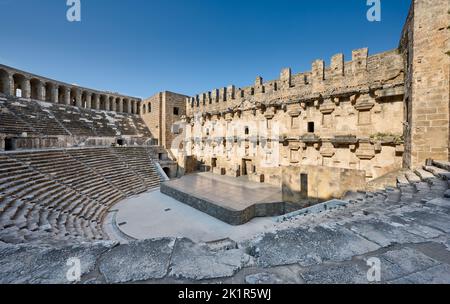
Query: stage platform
{"points": [[235, 201]]}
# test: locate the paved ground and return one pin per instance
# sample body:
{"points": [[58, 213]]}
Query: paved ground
{"points": [[146, 216]]}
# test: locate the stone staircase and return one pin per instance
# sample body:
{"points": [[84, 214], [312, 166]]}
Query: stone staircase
{"points": [[138, 160], [18, 115], [63, 196], [11, 125], [413, 186]]}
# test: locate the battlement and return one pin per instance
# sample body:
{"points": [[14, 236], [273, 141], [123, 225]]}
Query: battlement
{"points": [[363, 72]]}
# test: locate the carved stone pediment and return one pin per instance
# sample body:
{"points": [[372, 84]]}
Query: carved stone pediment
{"points": [[327, 152], [294, 113], [365, 151], [327, 108], [268, 115], [295, 146], [364, 106]]}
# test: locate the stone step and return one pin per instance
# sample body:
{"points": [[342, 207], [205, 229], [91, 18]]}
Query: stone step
{"points": [[436, 171], [402, 180], [442, 164], [413, 177], [424, 175]]}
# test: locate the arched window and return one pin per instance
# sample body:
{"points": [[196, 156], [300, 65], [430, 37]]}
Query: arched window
{"points": [[61, 94], [118, 101], [104, 102], [125, 105], [19, 85], [48, 91], [35, 87], [84, 104], [73, 97]]}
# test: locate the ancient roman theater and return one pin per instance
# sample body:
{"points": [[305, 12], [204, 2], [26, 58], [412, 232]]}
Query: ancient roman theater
{"points": [[300, 179]]}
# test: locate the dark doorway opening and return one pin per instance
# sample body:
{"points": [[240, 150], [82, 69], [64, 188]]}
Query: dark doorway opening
{"points": [[304, 185], [120, 142], [167, 171], [311, 127], [10, 144], [247, 167], [214, 162]]}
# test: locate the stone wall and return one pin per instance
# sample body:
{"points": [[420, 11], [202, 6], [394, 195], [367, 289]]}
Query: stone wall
{"points": [[151, 114], [175, 108], [159, 114], [425, 45], [320, 183], [331, 116]]}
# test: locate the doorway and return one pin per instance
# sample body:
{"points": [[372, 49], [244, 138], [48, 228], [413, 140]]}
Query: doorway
{"points": [[247, 167], [10, 144], [167, 171], [304, 185]]}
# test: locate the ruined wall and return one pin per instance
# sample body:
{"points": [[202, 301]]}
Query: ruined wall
{"points": [[332, 116], [322, 183], [425, 42]]}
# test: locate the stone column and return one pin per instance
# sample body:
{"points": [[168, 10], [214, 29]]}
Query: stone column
{"points": [[88, 101], [41, 91], [120, 110], [54, 92], [26, 89], [107, 103], [78, 98], [129, 107], [10, 85], [67, 96], [97, 102], [113, 108]]}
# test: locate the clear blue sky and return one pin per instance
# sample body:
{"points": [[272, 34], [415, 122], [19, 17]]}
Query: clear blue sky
{"points": [[141, 47]]}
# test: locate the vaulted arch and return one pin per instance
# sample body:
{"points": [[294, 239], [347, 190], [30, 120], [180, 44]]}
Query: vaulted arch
{"points": [[36, 89], [21, 86], [62, 94], [49, 89], [104, 103], [118, 102], [126, 103]]}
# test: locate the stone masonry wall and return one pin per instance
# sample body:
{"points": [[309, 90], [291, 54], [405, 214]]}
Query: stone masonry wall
{"points": [[426, 43], [172, 101], [152, 115], [255, 130], [159, 115]]}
